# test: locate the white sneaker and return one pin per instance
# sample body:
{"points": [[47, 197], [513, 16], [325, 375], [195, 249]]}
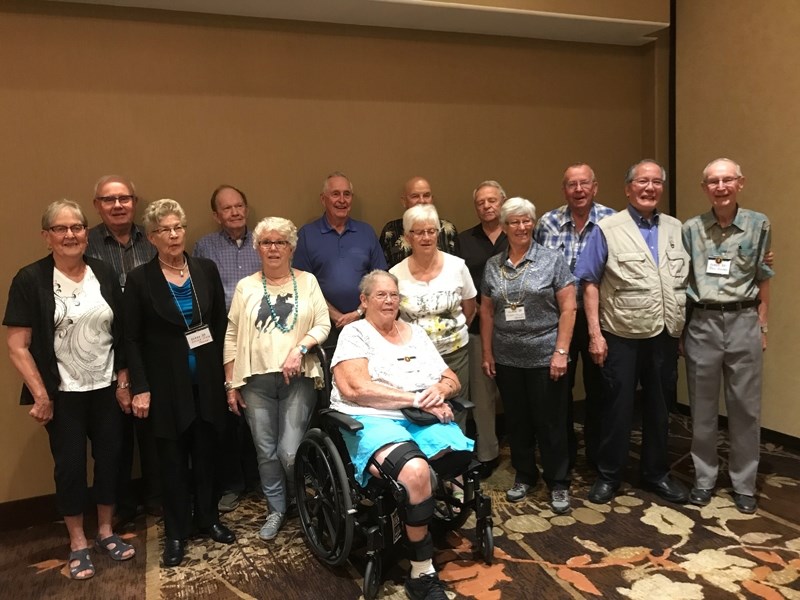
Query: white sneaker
{"points": [[559, 501], [517, 492], [271, 526]]}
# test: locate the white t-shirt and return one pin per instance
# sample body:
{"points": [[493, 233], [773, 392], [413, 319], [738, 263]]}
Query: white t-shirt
{"points": [[435, 305], [412, 367], [83, 337]]}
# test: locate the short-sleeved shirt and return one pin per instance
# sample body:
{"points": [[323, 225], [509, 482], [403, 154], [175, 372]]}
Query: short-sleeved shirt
{"points": [[435, 305], [410, 367], [123, 258], [396, 247], [556, 230], [532, 284], [476, 249], [744, 243], [235, 259], [338, 260]]}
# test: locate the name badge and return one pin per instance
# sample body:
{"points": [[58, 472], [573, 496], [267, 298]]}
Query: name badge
{"points": [[719, 266], [199, 337], [515, 313]]}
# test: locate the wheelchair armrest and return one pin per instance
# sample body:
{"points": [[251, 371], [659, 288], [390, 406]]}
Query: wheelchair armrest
{"points": [[341, 420], [460, 403]]}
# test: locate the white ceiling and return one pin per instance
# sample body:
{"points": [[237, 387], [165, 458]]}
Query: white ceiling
{"points": [[421, 14]]}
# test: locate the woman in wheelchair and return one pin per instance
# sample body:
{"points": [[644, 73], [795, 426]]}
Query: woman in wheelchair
{"points": [[382, 366]]}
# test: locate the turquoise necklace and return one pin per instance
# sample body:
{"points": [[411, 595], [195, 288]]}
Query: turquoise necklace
{"points": [[275, 318]]}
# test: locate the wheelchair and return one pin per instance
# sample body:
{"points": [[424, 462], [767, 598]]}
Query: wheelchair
{"points": [[339, 517]]}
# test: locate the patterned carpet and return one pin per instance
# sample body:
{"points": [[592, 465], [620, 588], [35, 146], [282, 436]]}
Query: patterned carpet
{"points": [[637, 547]]}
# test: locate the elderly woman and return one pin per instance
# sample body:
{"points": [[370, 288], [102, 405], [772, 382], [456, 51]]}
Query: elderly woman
{"points": [[64, 338], [527, 315], [437, 293], [175, 326], [277, 315], [381, 366]]}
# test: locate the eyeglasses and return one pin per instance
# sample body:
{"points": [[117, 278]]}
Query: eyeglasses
{"points": [[111, 200], [574, 185], [336, 194], [644, 182], [76, 229], [280, 244], [423, 232], [382, 296], [725, 181], [520, 223], [177, 230]]}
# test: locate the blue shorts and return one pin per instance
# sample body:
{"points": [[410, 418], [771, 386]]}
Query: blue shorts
{"points": [[379, 432]]}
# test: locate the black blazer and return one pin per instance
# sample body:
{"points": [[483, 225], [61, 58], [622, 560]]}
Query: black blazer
{"points": [[155, 337], [31, 303]]}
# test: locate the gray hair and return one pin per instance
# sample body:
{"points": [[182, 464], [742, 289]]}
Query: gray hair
{"points": [[331, 176], [517, 207], [630, 174], [489, 183], [577, 165], [105, 179], [727, 160], [280, 225], [158, 209], [420, 213], [368, 280], [56, 207]]}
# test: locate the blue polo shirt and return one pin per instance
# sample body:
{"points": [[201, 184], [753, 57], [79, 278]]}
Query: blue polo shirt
{"points": [[338, 261]]}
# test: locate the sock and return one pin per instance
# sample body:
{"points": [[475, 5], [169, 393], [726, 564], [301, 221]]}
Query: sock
{"points": [[421, 567]]}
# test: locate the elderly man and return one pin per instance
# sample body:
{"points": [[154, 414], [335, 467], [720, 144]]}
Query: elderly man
{"points": [[634, 271], [339, 251], [395, 248], [726, 332], [478, 244], [124, 245], [231, 248], [566, 229]]}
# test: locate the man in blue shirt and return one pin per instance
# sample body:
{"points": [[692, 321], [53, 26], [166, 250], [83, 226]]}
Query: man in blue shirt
{"points": [[231, 248], [339, 251], [566, 229]]}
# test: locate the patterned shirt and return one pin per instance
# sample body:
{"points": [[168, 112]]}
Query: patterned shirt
{"points": [[235, 259], [556, 230], [396, 248], [123, 258], [744, 243]]}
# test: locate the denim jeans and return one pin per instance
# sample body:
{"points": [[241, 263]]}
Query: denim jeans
{"points": [[278, 416]]}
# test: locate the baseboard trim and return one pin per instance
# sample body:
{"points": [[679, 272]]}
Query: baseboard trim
{"points": [[20, 514]]}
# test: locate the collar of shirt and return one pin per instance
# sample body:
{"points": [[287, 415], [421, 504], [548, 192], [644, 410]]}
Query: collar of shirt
{"points": [[640, 220], [710, 219], [530, 255], [136, 232], [326, 227], [224, 235]]}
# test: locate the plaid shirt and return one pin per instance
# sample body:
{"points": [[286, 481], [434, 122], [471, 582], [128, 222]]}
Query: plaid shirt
{"points": [[123, 258], [234, 261], [396, 248], [556, 230]]}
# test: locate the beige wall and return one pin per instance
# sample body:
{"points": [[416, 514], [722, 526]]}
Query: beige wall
{"points": [[737, 90], [181, 103], [633, 10]]}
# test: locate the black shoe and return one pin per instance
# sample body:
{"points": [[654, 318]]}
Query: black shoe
{"points": [[746, 504], [425, 587], [487, 468], [668, 489], [173, 552], [700, 496], [219, 533], [602, 492]]}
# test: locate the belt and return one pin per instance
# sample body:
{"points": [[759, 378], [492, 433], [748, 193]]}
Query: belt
{"points": [[727, 306]]}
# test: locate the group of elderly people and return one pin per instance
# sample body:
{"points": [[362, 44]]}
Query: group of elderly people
{"points": [[168, 350]]}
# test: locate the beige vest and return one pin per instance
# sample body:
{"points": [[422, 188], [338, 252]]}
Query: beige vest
{"points": [[638, 298]]}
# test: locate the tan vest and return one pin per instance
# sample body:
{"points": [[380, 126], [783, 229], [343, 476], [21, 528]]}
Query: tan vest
{"points": [[638, 298]]}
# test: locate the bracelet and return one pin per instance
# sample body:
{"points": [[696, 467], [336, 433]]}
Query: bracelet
{"points": [[417, 396], [446, 381], [229, 386]]}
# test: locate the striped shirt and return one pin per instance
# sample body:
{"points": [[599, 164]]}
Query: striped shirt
{"points": [[124, 258], [235, 259]]}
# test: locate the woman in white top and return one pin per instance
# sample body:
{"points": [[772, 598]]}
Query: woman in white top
{"points": [[276, 316], [437, 293]]}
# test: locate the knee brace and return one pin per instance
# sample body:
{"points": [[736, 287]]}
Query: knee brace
{"points": [[421, 550], [411, 514]]}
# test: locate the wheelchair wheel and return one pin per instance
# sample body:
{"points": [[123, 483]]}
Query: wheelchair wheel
{"points": [[323, 498], [486, 543], [450, 512], [372, 578]]}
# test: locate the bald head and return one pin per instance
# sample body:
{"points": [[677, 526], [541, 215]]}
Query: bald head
{"points": [[417, 190]]}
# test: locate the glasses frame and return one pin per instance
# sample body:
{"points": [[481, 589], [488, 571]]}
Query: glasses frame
{"points": [[166, 231], [281, 244], [112, 200], [76, 229]]}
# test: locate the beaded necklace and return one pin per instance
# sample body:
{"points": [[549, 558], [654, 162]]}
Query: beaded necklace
{"points": [[506, 277], [278, 324]]}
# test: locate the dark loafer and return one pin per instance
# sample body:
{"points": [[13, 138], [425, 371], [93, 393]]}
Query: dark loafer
{"points": [[668, 489], [488, 467], [173, 552], [219, 533], [602, 492], [700, 496], [746, 504]]}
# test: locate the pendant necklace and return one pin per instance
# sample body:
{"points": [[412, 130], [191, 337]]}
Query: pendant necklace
{"points": [[272, 312], [506, 277], [169, 266]]}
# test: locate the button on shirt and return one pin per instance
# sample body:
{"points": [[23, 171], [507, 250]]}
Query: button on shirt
{"points": [[123, 258], [556, 230], [476, 249], [744, 242], [235, 259]]}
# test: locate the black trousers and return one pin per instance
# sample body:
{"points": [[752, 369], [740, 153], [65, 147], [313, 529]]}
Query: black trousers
{"points": [[652, 362], [593, 386], [127, 499], [181, 484], [77, 416], [238, 469], [536, 411]]}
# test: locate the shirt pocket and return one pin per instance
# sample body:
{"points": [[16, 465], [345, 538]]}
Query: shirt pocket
{"points": [[632, 265], [678, 264]]}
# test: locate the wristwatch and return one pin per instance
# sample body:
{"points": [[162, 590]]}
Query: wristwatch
{"points": [[764, 328], [229, 386], [303, 349], [561, 351]]}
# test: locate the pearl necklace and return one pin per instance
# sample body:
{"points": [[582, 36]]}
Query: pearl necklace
{"points": [[275, 318], [179, 269]]}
